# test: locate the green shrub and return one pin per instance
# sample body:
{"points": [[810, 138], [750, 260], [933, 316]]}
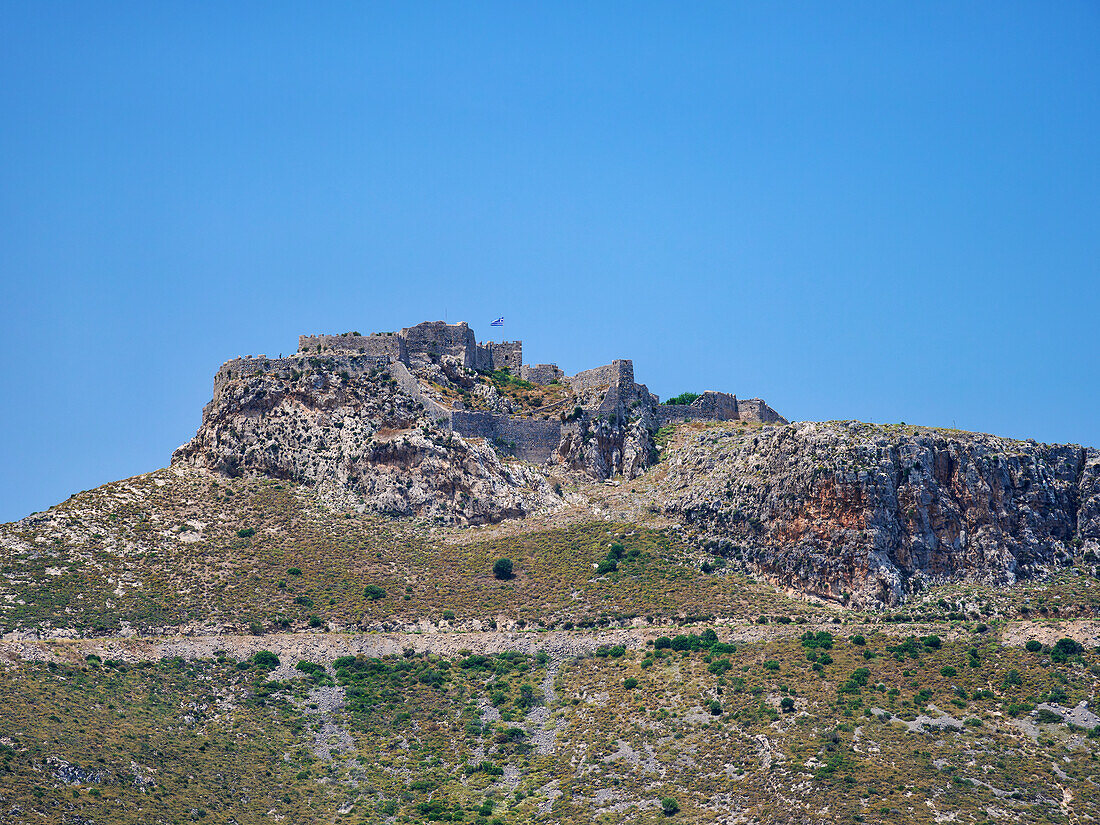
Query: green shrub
{"points": [[1045, 716], [265, 660], [502, 569], [606, 566], [373, 592], [630, 683], [246, 533], [719, 666], [1033, 646], [256, 629], [662, 643], [294, 571], [682, 398], [316, 621], [771, 664], [821, 639], [948, 671], [857, 640], [448, 615], [931, 642], [1069, 647], [786, 704]]}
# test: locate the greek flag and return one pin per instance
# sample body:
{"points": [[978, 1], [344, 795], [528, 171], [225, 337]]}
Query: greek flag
{"points": [[499, 322]]}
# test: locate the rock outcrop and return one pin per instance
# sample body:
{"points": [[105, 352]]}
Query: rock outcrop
{"points": [[362, 440], [617, 440], [866, 514]]}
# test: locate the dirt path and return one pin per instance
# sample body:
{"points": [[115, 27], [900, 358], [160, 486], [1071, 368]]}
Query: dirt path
{"points": [[325, 647]]}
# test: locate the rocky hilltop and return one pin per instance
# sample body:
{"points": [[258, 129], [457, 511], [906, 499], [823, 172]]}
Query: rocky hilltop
{"points": [[427, 422], [421, 422]]}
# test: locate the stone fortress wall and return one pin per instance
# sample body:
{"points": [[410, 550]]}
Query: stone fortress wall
{"points": [[506, 355], [531, 439], [718, 406], [381, 345], [542, 373], [619, 371]]}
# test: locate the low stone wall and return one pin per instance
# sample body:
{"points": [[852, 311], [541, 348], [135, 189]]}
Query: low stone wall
{"points": [[535, 439], [411, 386]]}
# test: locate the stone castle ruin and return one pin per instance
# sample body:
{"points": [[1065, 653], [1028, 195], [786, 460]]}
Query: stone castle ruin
{"points": [[599, 421]]}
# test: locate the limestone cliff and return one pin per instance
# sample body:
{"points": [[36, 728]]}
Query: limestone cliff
{"points": [[364, 440], [867, 514]]}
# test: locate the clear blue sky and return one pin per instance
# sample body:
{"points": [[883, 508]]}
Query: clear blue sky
{"points": [[882, 211]]}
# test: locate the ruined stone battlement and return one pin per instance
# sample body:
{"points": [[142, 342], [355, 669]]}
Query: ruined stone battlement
{"points": [[542, 373]]}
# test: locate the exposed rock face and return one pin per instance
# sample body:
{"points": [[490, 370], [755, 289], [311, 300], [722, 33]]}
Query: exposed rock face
{"points": [[362, 441], [617, 440], [877, 512]]}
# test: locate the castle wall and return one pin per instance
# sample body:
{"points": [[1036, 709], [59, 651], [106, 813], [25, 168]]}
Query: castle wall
{"points": [[535, 439], [483, 357], [498, 355], [719, 406], [410, 385], [710, 406], [383, 347], [754, 409], [541, 373], [619, 371], [434, 339], [355, 364]]}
